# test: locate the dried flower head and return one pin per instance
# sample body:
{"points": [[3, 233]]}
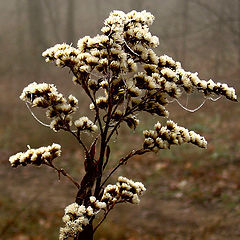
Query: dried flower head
{"points": [[84, 123], [42, 155], [125, 190]]}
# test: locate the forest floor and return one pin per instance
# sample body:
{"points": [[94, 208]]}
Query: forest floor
{"points": [[192, 194]]}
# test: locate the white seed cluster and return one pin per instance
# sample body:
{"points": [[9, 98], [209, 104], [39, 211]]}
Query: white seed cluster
{"points": [[61, 54], [101, 102], [154, 106], [117, 115], [104, 62], [59, 109], [191, 80], [42, 155], [125, 190], [132, 121], [84, 123], [114, 51], [76, 217], [173, 72], [133, 26], [41, 95], [172, 134]]}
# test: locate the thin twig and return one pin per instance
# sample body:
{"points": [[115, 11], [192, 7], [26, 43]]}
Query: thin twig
{"points": [[104, 217], [111, 173], [94, 103], [119, 122], [95, 75], [105, 132], [78, 138], [130, 111], [107, 158], [123, 161], [64, 173]]}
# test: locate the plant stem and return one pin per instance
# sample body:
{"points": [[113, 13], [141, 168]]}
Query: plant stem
{"points": [[104, 217], [78, 138], [64, 173], [123, 161], [86, 234]]}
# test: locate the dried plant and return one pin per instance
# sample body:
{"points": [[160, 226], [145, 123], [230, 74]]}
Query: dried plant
{"points": [[122, 76]]}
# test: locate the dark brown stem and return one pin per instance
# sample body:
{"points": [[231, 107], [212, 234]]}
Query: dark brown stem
{"points": [[77, 136], [100, 162], [116, 126], [86, 234], [124, 161], [130, 111], [94, 103], [104, 134], [104, 217], [120, 120], [107, 157], [64, 173], [87, 183], [97, 110]]}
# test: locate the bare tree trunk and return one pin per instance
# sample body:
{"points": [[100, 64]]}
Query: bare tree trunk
{"points": [[53, 13], [36, 25], [219, 40], [20, 43], [185, 26], [37, 30], [70, 32], [136, 5]]}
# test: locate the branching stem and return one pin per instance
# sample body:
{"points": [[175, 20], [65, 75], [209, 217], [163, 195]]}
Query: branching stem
{"points": [[104, 217], [64, 173], [124, 161]]}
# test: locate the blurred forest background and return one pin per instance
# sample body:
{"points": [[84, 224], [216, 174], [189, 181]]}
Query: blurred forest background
{"points": [[192, 194]]}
